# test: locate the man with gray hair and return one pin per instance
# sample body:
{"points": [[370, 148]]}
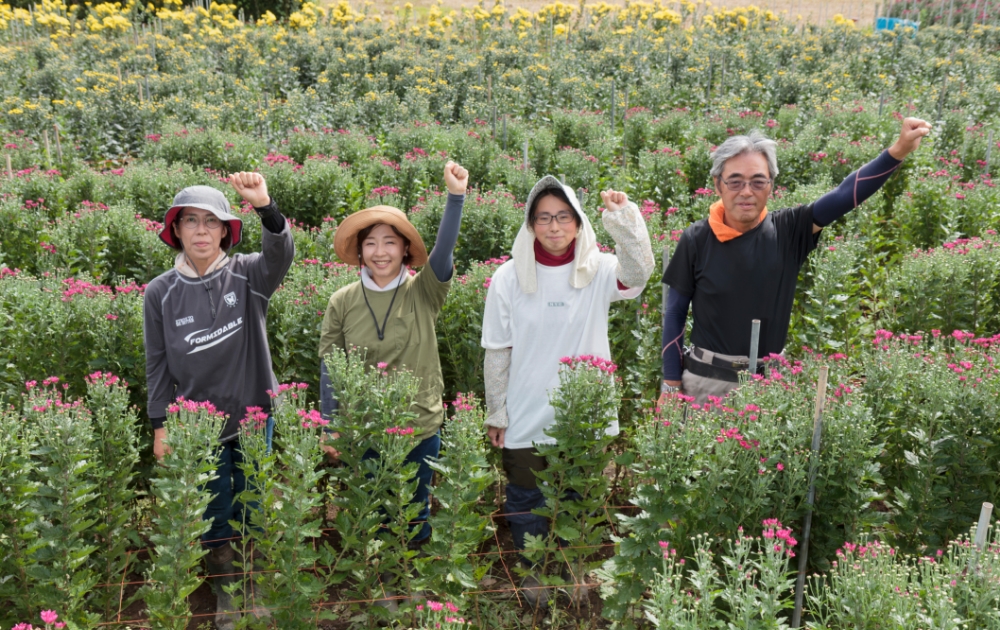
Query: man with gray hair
{"points": [[742, 262]]}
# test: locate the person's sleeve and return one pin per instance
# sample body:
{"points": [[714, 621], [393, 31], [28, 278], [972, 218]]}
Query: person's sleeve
{"points": [[855, 189], [433, 291], [441, 259], [796, 237], [271, 218], [267, 270], [331, 332], [160, 385], [497, 330], [680, 270], [674, 321], [632, 248], [496, 371]]}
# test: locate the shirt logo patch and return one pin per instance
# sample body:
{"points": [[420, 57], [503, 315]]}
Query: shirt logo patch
{"points": [[557, 304], [214, 338], [230, 299], [184, 321]]}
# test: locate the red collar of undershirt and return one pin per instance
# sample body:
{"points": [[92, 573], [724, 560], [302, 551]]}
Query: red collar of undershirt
{"points": [[547, 259]]}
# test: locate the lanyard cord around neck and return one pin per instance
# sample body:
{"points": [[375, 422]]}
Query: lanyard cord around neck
{"points": [[204, 283], [381, 331]]}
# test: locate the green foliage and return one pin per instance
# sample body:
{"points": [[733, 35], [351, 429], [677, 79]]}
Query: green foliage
{"points": [[60, 574], [573, 481], [281, 521], [116, 446], [376, 484], [449, 564], [722, 466], [181, 495], [938, 400], [20, 541]]}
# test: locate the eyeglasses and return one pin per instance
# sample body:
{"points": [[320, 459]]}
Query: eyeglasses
{"points": [[756, 185], [562, 217], [191, 222]]}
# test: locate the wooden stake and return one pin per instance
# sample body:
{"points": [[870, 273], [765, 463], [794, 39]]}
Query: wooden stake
{"points": [[800, 581], [612, 105], [48, 150], [58, 144]]}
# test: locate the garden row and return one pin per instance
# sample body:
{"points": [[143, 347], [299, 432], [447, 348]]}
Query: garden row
{"points": [[712, 485], [140, 70]]}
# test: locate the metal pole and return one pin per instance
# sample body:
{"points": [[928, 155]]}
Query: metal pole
{"points": [[579, 196], [754, 342], [505, 134], [525, 156], [989, 150], [562, 178], [800, 580], [612, 105], [982, 529], [10, 172]]}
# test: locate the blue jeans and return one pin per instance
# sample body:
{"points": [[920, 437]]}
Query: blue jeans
{"points": [[428, 447], [225, 488]]}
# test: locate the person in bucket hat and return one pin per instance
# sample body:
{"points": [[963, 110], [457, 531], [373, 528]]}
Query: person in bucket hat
{"points": [[205, 336], [391, 315], [551, 300]]}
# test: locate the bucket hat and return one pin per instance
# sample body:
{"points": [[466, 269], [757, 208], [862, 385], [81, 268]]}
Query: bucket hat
{"points": [[346, 238], [203, 198]]}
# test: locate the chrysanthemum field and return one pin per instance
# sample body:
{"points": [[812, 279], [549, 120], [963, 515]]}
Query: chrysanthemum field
{"points": [[693, 517]]}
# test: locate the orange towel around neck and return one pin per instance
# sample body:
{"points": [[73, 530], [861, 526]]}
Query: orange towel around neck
{"points": [[722, 231]]}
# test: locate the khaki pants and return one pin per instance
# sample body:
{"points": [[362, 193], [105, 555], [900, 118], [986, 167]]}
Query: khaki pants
{"points": [[701, 387]]}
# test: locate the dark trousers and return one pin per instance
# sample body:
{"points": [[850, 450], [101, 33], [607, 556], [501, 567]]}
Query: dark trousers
{"points": [[523, 494], [225, 489], [428, 447]]}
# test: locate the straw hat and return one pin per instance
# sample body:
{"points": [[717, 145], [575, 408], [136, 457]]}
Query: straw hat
{"points": [[345, 241]]}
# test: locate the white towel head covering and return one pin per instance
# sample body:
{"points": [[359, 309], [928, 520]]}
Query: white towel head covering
{"points": [[586, 258]]}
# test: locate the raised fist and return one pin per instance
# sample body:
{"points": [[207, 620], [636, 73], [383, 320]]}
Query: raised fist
{"points": [[251, 187], [613, 200], [913, 130], [456, 178]]}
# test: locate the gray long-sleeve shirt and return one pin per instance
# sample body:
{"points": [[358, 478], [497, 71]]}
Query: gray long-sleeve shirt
{"points": [[226, 359]]}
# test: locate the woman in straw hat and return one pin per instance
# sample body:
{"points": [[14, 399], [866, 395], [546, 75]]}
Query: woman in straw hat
{"points": [[204, 324], [391, 313]]}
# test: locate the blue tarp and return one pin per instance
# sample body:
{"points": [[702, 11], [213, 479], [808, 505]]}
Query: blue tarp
{"points": [[890, 24]]}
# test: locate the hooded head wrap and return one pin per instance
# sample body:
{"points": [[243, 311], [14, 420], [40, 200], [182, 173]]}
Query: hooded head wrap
{"points": [[586, 259]]}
